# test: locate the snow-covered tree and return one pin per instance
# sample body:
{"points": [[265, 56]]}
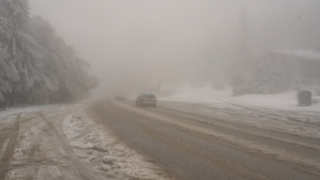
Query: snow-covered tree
{"points": [[295, 74], [36, 65], [268, 75], [67, 74], [8, 72], [20, 45], [290, 72]]}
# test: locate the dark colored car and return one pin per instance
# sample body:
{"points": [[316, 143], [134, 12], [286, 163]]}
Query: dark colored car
{"points": [[146, 100], [304, 98]]}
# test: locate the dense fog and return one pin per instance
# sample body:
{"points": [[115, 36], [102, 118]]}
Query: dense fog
{"points": [[133, 45]]}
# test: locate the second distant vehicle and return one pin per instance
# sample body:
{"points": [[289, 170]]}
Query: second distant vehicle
{"points": [[146, 100]]}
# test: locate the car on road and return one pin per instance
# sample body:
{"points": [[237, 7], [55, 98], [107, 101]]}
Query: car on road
{"points": [[146, 100]]}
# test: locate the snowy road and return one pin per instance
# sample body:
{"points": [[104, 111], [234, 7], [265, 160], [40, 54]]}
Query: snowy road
{"points": [[194, 141], [66, 142], [116, 140]]}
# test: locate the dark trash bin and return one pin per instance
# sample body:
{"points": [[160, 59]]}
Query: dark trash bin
{"points": [[304, 98]]}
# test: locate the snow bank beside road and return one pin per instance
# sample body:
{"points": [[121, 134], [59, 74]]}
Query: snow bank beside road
{"points": [[287, 100], [67, 142], [103, 153], [27, 109], [207, 95]]}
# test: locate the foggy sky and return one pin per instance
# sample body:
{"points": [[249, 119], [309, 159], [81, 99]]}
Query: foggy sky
{"points": [[139, 43]]}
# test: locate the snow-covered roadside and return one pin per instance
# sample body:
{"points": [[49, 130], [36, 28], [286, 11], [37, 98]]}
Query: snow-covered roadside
{"points": [[207, 95], [103, 153], [284, 101], [278, 112], [65, 142], [27, 109], [290, 122]]}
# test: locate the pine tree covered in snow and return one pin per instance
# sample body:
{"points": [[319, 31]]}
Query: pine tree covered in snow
{"points": [[18, 42], [285, 73], [273, 73], [68, 73], [36, 65], [243, 82], [8, 72], [295, 75], [267, 75], [290, 72]]}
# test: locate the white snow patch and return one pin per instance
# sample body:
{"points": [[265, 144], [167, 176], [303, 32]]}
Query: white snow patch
{"points": [[25, 140], [207, 95], [27, 109], [93, 144], [3, 146], [278, 112]]}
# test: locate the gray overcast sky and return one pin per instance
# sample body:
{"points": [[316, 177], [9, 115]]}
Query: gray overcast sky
{"points": [[170, 41]]}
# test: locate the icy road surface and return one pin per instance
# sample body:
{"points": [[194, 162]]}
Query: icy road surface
{"points": [[196, 141]]}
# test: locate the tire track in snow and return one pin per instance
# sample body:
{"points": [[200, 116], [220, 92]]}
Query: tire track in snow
{"points": [[295, 128], [250, 146], [192, 150], [9, 151], [257, 132], [82, 171], [36, 144], [100, 110]]}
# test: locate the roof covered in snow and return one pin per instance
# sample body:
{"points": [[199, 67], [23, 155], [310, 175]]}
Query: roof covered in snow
{"points": [[305, 54]]}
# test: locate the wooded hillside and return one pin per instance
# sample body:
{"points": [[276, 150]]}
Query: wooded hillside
{"points": [[36, 65]]}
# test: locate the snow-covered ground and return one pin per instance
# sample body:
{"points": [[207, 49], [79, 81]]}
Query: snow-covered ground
{"points": [[105, 154], [68, 142], [207, 95], [277, 112], [27, 109]]}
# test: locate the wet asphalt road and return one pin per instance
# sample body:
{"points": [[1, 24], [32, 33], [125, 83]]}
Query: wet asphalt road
{"points": [[192, 155]]}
